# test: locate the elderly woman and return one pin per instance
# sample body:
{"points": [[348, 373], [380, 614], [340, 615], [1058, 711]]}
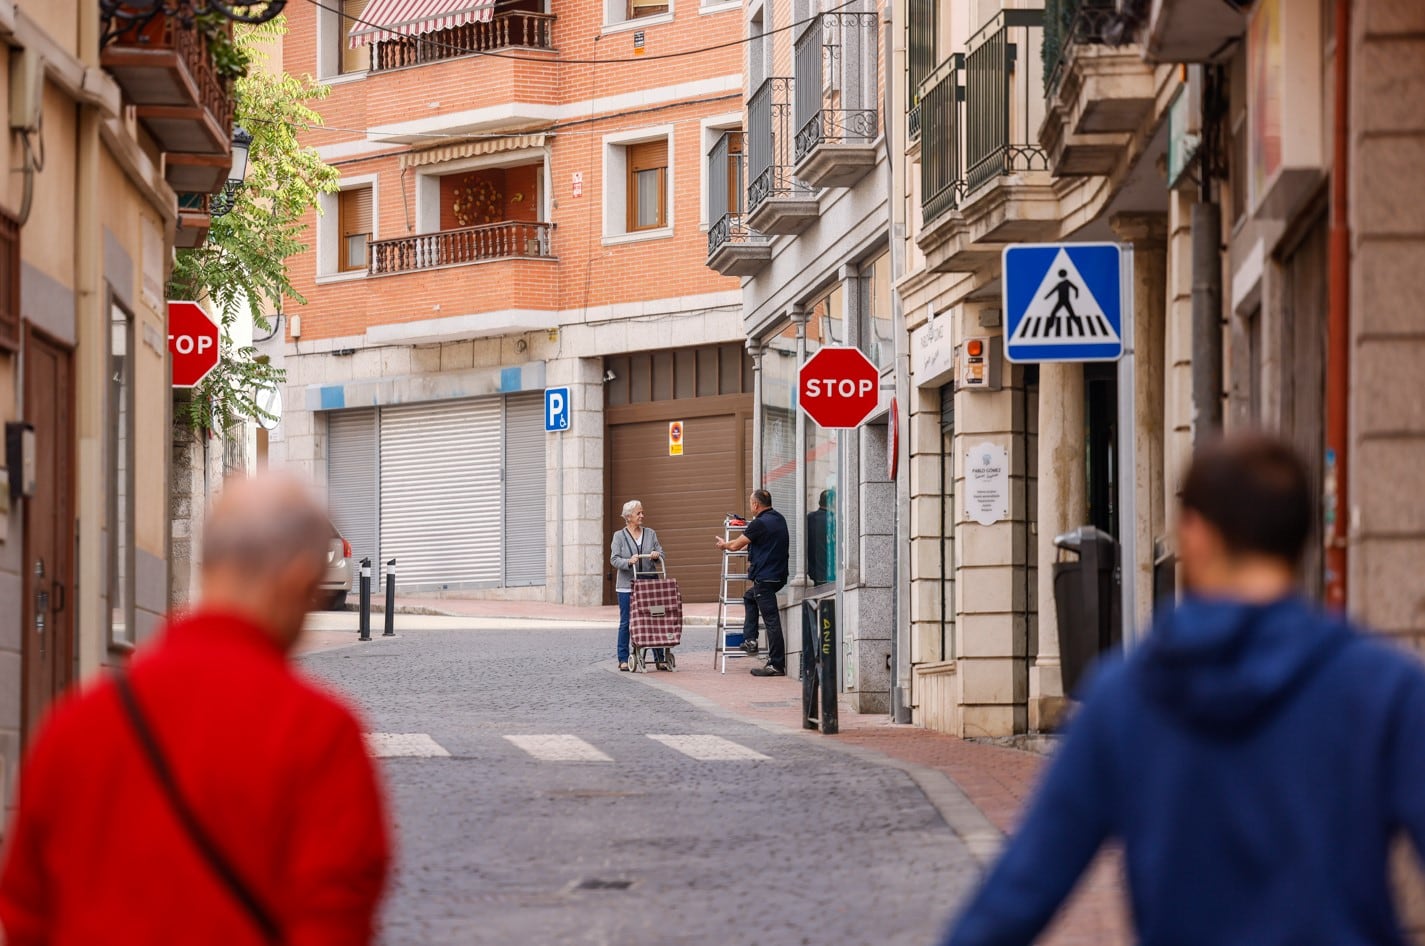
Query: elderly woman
{"points": [[633, 552]]}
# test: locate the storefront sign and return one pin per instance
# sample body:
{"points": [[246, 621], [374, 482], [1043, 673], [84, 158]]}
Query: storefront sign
{"points": [[987, 483], [932, 356]]}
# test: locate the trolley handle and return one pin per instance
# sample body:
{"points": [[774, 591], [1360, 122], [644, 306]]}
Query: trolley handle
{"points": [[662, 568]]}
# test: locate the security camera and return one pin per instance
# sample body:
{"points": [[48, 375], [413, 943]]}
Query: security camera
{"points": [[609, 376]]}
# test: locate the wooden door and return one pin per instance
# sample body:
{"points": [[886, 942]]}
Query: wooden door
{"points": [[48, 651]]}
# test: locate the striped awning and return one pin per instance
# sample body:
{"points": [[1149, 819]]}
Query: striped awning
{"points": [[392, 19], [470, 149]]}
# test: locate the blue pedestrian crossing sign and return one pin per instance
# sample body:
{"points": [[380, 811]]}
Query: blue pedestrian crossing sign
{"points": [[1063, 302], [556, 409]]}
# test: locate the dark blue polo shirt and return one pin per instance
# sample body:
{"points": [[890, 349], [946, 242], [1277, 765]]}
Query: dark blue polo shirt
{"points": [[767, 556]]}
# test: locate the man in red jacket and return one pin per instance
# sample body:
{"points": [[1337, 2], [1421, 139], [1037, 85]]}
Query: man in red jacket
{"points": [[269, 825]]}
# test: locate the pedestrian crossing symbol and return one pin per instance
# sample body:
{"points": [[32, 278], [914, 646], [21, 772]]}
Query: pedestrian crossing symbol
{"points": [[1063, 302]]}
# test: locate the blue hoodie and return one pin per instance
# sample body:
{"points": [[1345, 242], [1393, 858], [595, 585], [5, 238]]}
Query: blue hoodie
{"points": [[1255, 761]]}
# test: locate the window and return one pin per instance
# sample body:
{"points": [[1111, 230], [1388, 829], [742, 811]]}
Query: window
{"points": [[736, 184], [354, 221], [9, 283], [875, 334], [335, 54], [121, 479], [642, 8], [647, 186]]}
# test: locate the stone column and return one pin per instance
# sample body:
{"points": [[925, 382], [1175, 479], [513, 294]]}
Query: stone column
{"points": [[755, 349], [797, 507], [1063, 505], [1148, 233]]}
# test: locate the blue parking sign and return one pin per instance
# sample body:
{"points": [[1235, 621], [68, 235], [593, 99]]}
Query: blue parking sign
{"points": [[556, 409], [1063, 302]]}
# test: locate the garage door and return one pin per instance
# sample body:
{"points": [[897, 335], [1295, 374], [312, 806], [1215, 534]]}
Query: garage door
{"points": [[441, 492], [351, 479], [686, 497], [525, 480]]}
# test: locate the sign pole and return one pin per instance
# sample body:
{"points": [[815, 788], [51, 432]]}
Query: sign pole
{"points": [[1127, 462]]}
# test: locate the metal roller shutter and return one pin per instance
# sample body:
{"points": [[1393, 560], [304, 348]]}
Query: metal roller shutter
{"points": [[440, 492], [351, 479], [524, 489]]}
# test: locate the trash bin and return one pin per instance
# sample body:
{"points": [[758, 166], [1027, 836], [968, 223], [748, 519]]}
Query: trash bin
{"points": [[1086, 597]]}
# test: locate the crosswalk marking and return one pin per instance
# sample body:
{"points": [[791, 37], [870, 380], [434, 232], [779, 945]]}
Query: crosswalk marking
{"points": [[565, 748], [388, 745], [707, 748]]}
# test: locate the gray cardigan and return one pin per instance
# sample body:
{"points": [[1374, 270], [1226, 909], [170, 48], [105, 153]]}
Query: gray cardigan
{"points": [[623, 548]]}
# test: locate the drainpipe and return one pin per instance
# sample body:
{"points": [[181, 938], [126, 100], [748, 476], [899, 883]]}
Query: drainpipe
{"points": [[1338, 325], [901, 696]]}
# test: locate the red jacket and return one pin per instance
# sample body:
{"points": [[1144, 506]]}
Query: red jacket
{"points": [[275, 769]]}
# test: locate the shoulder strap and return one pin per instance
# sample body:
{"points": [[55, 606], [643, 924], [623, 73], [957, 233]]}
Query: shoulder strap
{"points": [[200, 838]]}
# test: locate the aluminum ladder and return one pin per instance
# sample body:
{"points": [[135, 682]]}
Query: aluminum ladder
{"points": [[731, 529]]}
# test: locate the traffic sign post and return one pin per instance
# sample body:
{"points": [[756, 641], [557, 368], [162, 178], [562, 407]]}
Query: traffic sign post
{"points": [[192, 343], [1063, 302], [839, 387]]}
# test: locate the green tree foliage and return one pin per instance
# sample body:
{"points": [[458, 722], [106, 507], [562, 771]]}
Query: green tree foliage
{"points": [[242, 268]]}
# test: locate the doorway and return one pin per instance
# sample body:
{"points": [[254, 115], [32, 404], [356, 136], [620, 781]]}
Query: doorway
{"points": [[48, 567]]}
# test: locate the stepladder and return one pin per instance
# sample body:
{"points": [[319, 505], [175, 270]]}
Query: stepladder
{"points": [[734, 583]]}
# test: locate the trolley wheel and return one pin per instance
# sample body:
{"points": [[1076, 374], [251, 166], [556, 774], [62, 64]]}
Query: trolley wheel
{"points": [[670, 659]]}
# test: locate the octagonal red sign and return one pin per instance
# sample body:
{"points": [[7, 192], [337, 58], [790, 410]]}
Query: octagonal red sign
{"points": [[839, 387], [192, 343]]}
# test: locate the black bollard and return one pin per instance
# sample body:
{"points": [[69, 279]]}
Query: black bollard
{"points": [[390, 599], [365, 600]]}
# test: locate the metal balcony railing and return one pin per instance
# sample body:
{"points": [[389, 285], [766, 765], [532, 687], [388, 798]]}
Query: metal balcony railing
{"points": [[515, 29], [998, 137], [942, 97], [727, 194], [837, 66], [508, 240], [1068, 23], [769, 143], [921, 29]]}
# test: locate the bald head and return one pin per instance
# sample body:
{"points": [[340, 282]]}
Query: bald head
{"points": [[264, 552], [260, 525]]}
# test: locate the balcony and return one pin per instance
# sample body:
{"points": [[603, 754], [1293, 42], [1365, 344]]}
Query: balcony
{"points": [[922, 28], [195, 218], [511, 239], [837, 98], [167, 71], [1097, 93], [984, 182], [516, 29], [1192, 31], [777, 202], [734, 249]]}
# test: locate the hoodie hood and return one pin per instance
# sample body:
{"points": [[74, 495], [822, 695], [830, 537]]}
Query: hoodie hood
{"points": [[1227, 666]]}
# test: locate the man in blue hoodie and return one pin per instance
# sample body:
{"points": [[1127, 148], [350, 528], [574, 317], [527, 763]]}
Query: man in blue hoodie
{"points": [[1255, 755]]}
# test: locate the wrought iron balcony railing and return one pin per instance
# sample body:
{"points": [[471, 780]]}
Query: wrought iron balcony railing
{"points": [[837, 72], [999, 134], [508, 240], [921, 29], [515, 29], [769, 143], [942, 97], [726, 191], [1069, 23]]}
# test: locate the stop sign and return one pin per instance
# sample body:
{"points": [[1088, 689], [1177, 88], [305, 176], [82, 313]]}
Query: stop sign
{"points": [[192, 343], [839, 387]]}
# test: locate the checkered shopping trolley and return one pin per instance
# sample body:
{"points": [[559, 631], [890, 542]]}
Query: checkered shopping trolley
{"points": [[655, 618]]}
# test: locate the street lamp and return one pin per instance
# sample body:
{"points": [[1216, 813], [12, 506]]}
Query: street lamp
{"points": [[224, 200]]}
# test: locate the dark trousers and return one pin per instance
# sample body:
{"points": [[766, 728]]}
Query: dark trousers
{"points": [[762, 598]]}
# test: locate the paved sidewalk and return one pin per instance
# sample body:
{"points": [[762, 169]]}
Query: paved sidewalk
{"points": [[695, 615], [997, 780]]}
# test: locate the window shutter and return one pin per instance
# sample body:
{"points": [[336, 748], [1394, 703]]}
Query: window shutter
{"points": [[648, 155], [356, 211]]}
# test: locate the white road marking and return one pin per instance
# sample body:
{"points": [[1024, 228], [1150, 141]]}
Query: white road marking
{"points": [[708, 748], [389, 745], [553, 748]]}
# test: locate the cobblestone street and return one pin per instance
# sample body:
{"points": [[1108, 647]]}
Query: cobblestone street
{"points": [[532, 806]]}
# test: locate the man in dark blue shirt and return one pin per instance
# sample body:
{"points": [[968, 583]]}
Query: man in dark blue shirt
{"points": [[767, 543]]}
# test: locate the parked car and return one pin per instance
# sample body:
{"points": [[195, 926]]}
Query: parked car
{"points": [[336, 585]]}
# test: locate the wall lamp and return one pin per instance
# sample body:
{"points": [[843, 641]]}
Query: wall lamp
{"points": [[225, 199]]}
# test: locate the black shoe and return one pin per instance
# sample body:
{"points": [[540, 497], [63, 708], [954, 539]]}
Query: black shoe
{"points": [[769, 671], [749, 647]]}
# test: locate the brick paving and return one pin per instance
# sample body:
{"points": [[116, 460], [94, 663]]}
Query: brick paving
{"points": [[997, 780]]}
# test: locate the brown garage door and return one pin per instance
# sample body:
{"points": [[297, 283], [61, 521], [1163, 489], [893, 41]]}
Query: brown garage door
{"points": [[684, 497]]}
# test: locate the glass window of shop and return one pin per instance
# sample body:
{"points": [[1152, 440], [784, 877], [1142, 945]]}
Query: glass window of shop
{"points": [[779, 429], [877, 341], [827, 326]]}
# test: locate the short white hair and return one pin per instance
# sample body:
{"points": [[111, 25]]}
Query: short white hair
{"points": [[630, 506]]}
